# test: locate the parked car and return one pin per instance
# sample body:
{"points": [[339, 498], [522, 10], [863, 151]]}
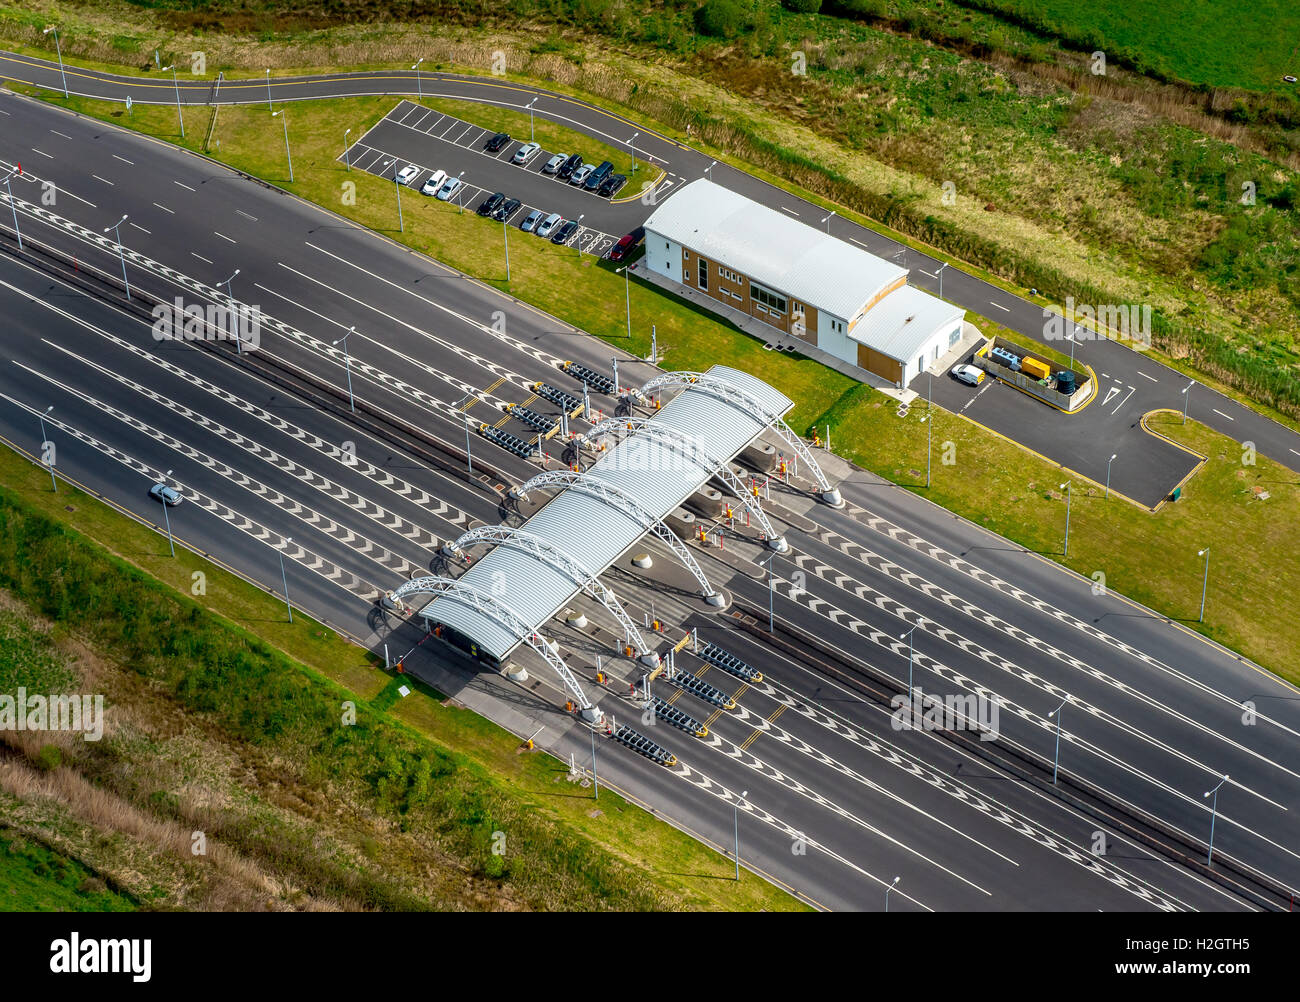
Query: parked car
{"points": [[569, 166], [167, 495], [408, 174], [449, 189], [506, 209], [531, 220], [579, 176], [564, 232], [547, 226], [968, 374], [612, 185], [598, 175], [625, 244], [435, 181], [555, 163], [497, 141], [490, 204], [525, 153]]}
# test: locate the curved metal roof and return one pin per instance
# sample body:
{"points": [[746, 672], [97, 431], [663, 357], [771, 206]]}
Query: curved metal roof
{"points": [[645, 469]]}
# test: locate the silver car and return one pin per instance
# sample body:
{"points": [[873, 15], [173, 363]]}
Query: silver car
{"points": [[579, 176], [547, 226], [531, 220], [555, 163]]}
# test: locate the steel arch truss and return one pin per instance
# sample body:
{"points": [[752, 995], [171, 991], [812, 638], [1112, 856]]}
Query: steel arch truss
{"points": [[690, 447], [624, 502], [505, 617], [557, 559], [747, 402]]}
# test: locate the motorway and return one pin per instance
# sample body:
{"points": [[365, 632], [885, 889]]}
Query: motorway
{"points": [[1130, 384], [1153, 714]]}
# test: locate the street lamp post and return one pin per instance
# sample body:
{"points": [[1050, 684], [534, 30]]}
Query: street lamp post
{"points": [[892, 885], [401, 226], [269, 107], [176, 83], [577, 235], [910, 659], [58, 46], [284, 579], [827, 221], [419, 84], [117, 232], [1214, 811], [632, 146], [1205, 581], [239, 342], [709, 168], [627, 293], [940, 274], [45, 438], [469, 459], [347, 364], [532, 135], [743, 795], [14, 206], [347, 160], [1057, 714], [771, 594], [167, 517], [1108, 462], [929, 425], [1066, 487], [595, 783], [284, 119], [505, 238], [460, 192], [1187, 395]]}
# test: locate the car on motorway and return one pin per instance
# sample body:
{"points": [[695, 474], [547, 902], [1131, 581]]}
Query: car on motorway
{"points": [[496, 142], [449, 189], [506, 209], [555, 163], [547, 226], [598, 175], [525, 153], [579, 176], [531, 220], [968, 374], [565, 231], [169, 496], [612, 185], [408, 174], [569, 166], [490, 204], [431, 186], [625, 244]]}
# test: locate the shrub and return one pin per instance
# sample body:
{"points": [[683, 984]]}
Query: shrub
{"points": [[802, 6], [721, 19]]}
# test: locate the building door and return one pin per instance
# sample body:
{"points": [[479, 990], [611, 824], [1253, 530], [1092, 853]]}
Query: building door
{"points": [[704, 273]]}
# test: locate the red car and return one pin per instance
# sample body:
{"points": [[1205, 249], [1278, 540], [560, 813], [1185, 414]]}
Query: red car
{"points": [[625, 244]]}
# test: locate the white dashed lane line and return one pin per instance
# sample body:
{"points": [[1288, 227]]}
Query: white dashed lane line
{"points": [[43, 153], [791, 211], [1145, 376], [1004, 309], [124, 160], [104, 179], [224, 237], [164, 208], [183, 185], [246, 215], [200, 257], [138, 227], [63, 134], [1221, 414]]}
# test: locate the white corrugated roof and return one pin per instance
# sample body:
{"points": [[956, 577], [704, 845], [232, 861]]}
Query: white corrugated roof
{"points": [[901, 323], [595, 533], [773, 249]]}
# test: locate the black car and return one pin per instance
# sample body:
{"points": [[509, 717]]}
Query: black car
{"points": [[611, 185], [564, 232], [569, 166], [598, 175], [497, 141], [506, 209], [490, 204]]}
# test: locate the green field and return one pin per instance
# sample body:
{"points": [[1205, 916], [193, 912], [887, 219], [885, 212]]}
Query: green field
{"points": [[34, 879]]}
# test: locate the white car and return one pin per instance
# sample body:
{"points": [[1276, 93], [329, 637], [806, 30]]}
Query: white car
{"points": [[555, 163], [432, 185], [408, 174], [579, 176], [968, 374], [169, 496], [525, 153], [449, 188]]}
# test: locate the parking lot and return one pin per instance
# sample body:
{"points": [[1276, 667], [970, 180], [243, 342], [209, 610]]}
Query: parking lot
{"points": [[433, 141]]}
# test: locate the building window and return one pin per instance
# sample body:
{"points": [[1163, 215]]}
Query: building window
{"points": [[773, 300], [704, 273]]}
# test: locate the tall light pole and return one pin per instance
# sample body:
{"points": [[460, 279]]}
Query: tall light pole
{"points": [[284, 579], [505, 238], [239, 342], [176, 83], [1214, 811], [595, 783], [460, 192], [1205, 581], [44, 439], [532, 135], [167, 517], [1057, 714], [1187, 395], [469, 458], [627, 291], [117, 232], [1066, 487], [269, 107], [771, 594], [59, 47], [347, 364], [1108, 462], [401, 226], [1074, 340], [347, 160], [892, 885], [632, 146], [910, 659], [827, 221], [940, 274], [419, 84], [14, 206], [929, 425], [577, 235], [284, 119], [743, 795], [709, 168]]}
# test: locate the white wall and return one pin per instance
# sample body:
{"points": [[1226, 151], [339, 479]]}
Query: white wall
{"points": [[838, 344], [666, 261]]}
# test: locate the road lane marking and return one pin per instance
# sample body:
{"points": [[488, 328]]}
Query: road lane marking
{"points": [[1004, 309], [200, 257], [246, 215], [124, 160], [1221, 414], [224, 237], [104, 179], [164, 208], [139, 227], [42, 153], [63, 134], [791, 211], [858, 242], [183, 185], [1145, 376]]}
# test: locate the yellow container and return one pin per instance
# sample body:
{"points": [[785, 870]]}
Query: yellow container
{"points": [[1034, 368]]}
